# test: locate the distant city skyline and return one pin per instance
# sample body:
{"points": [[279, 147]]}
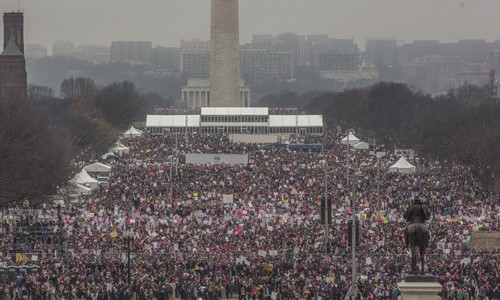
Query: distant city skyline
{"points": [[168, 22]]}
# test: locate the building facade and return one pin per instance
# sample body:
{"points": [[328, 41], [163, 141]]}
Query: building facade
{"points": [[381, 52], [63, 47], [338, 61], [195, 58], [267, 64], [131, 51], [236, 120], [472, 51], [196, 93], [166, 57]]}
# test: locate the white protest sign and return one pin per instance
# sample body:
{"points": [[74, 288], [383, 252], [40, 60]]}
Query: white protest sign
{"points": [[227, 198]]}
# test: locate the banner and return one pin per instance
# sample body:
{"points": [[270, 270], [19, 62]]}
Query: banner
{"points": [[227, 199], [21, 258]]}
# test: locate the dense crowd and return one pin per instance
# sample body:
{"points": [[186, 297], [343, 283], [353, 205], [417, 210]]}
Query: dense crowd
{"points": [[249, 231]]}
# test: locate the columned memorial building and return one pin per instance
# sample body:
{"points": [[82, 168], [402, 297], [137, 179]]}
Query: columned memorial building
{"points": [[236, 120], [196, 93]]}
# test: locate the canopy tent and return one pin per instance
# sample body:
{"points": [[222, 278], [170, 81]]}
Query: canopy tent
{"points": [[361, 146], [83, 178], [353, 140], [132, 133], [76, 189], [402, 166], [97, 168], [119, 148]]}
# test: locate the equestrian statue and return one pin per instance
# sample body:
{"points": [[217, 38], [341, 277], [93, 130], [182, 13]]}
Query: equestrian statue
{"points": [[417, 233]]}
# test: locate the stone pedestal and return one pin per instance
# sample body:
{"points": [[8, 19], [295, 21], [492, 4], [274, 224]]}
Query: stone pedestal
{"points": [[419, 287]]}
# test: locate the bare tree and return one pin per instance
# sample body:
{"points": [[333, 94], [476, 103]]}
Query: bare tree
{"points": [[77, 87], [38, 92], [34, 156]]}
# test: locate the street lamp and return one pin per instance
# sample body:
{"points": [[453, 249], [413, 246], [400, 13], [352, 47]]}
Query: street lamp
{"points": [[171, 167], [170, 180], [349, 131], [378, 180], [129, 236], [326, 205], [176, 153], [353, 291]]}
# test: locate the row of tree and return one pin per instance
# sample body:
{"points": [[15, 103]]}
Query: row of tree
{"points": [[461, 126], [42, 134]]}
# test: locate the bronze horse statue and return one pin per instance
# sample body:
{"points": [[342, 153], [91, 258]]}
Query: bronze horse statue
{"points": [[417, 233]]}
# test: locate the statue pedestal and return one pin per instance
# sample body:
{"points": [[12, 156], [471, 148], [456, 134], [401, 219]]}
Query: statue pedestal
{"points": [[419, 287]]}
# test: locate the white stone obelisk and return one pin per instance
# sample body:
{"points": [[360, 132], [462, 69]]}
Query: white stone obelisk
{"points": [[224, 58]]}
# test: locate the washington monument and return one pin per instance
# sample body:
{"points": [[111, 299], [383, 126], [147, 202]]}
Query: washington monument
{"points": [[224, 59]]}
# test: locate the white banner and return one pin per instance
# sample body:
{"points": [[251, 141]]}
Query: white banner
{"points": [[227, 199]]}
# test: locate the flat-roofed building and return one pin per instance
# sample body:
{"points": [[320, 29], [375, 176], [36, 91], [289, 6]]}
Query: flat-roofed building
{"points": [[195, 58], [236, 120], [267, 64], [129, 51]]}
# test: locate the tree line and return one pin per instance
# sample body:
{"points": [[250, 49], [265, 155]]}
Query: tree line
{"points": [[41, 134], [461, 126]]}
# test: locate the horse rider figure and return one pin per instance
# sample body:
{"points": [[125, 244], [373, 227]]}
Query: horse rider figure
{"points": [[417, 233]]}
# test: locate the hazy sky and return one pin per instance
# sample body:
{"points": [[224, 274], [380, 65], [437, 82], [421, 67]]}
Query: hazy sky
{"points": [[165, 22]]}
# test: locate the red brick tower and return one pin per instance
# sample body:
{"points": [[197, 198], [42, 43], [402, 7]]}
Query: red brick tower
{"points": [[14, 21], [13, 77]]}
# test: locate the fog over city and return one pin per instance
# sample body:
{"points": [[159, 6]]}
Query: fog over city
{"points": [[166, 22]]}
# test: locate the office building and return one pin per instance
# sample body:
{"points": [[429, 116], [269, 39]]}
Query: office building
{"points": [[472, 51], [63, 47], [267, 64], [380, 52], [131, 51], [195, 58], [166, 57]]}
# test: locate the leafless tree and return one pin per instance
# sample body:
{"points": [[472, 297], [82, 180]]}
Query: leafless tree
{"points": [[38, 92], [34, 155], [73, 88]]}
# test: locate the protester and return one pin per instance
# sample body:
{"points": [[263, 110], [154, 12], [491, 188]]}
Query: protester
{"points": [[264, 242]]}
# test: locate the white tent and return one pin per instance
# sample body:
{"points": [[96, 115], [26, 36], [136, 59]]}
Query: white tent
{"points": [[353, 140], [361, 146], [84, 179], [402, 166], [132, 133], [97, 168], [75, 189], [119, 149]]}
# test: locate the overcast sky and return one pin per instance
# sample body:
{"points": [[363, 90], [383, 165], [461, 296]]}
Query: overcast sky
{"points": [[165, 22]]}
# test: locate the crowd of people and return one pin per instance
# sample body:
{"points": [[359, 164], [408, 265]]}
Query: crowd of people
{"points": [[164, 229]]}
